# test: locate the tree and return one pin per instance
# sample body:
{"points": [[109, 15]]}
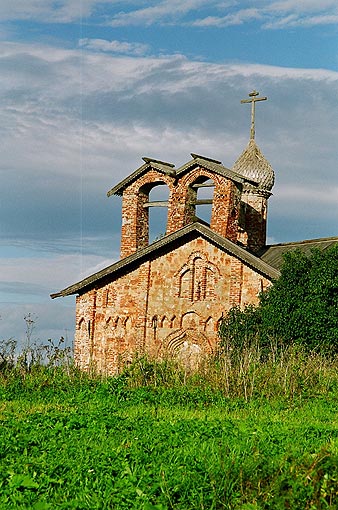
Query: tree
{"points": [[301, 306]]}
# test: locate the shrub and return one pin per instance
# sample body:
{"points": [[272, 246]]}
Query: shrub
{"points": [[300, 307]]}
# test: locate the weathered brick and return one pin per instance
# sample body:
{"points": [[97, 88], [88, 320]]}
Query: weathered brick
{"points": [[174, 300]]}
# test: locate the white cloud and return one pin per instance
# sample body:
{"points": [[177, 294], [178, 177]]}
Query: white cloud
{"points": [[26, 285], [296, 21], [280, 14], [237, 18], [301, 6], [165, 11], [306, 13], [126, 48], [62, 11], [48, 273], [319, 194], [51, 320], [276, 14], [298, 13]]}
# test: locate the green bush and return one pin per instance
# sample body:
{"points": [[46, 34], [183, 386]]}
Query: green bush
{"points": [[300, 307]]}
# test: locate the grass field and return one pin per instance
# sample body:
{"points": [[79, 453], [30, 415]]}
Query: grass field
{"points": [[159, 439]]}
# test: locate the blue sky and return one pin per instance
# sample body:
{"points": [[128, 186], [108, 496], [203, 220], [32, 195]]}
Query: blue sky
{"points": [[89, 87]]}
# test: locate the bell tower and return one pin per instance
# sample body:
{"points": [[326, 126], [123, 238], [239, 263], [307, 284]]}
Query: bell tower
{"points": [[259, 180], [183, 185]]}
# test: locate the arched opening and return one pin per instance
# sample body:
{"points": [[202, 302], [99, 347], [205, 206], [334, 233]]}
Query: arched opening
{"points": [[158, 211], [127, 324], [109, 323], [119, 324], [198, 279], [83, 326], [203, 193], [173, 322], [105, 298], [164, 322], [157, 206], [209, 326]]}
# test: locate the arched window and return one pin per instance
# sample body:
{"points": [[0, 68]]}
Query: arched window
{"points": [[174, 322], [209, 282], [127, 323], [198, 279], [190, 320], [185, 283], [119, 324], [82, 325]]}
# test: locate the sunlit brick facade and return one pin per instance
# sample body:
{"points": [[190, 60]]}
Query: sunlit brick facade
{"points": [[168, 297]]}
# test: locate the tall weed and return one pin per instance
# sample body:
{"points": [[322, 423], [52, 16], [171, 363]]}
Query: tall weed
{"points": [[287, 371]]}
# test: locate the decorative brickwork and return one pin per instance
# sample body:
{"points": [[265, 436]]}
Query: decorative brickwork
{"points": [[197, 278]]}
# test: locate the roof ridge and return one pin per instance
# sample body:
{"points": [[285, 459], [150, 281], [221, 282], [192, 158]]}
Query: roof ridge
{"points": [[152, 160], [198, 156], [213, 166]]}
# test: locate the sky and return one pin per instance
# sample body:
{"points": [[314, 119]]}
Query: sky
{"points": [[89, 87]]}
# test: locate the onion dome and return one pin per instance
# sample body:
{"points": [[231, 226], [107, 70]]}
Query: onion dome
{"points": [[253, 165]]}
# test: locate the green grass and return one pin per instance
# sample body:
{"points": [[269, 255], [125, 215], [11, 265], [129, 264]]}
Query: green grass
{"points": [[157, 438]]}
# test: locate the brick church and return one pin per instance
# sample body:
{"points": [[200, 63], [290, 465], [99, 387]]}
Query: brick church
{"points": [[167, 297]]}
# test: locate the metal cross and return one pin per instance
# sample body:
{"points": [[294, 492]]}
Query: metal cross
{"points": [[253, 99]]}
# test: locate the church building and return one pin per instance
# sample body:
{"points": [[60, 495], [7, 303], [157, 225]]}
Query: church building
{"points": [[167, 297]]}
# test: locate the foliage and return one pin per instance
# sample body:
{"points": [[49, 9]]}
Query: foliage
{"points": [[7, 354], [301, 306], [83, 442], [241, 328]]}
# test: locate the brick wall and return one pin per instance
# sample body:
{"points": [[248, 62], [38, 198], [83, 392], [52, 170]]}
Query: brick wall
{"points": [[177, 297]]}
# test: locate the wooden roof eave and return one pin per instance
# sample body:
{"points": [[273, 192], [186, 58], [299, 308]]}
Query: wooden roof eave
{"points": [[168, 169]]}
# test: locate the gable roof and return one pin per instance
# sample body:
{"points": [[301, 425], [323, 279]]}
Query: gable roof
{"points": [[213, 165], [210, 164], [155, 164], [180, 237], [273, 254]]}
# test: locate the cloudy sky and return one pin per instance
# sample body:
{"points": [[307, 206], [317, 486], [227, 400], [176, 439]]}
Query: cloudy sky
{"points": [[88, 87]]}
